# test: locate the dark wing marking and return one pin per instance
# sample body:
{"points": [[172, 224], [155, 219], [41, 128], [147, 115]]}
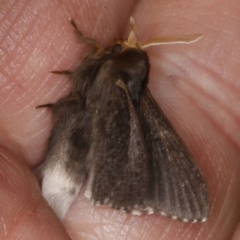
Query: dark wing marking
{"points": [[64, 170], [119, 175], [69, 141], [177, 188]]}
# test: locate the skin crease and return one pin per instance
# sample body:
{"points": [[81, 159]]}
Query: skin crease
{"points": [[196, 85]]}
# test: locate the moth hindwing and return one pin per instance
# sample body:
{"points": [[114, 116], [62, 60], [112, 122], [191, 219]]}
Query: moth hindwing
{"points": [[110, 133]]}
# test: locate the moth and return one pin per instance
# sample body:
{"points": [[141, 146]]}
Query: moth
{"points": [[111, 139]]}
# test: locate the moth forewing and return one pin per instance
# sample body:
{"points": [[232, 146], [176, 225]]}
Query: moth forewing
{"points": [[121, 163], [111, 131], [178, 187]]}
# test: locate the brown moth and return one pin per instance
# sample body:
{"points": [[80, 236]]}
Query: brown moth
{"points": [[111, 134]]}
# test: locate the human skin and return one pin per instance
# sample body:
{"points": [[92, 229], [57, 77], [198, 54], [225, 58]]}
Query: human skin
{"points": [[196, 85]]}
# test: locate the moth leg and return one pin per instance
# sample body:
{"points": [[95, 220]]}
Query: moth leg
{"points": [[81, 35], [58, 105], [63, 72], [83, 38], [48, 105]]}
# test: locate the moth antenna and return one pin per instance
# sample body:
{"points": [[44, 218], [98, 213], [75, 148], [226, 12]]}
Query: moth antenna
{"points": [[134, 25], [133, 36], [171, 40], [83, 38]]}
